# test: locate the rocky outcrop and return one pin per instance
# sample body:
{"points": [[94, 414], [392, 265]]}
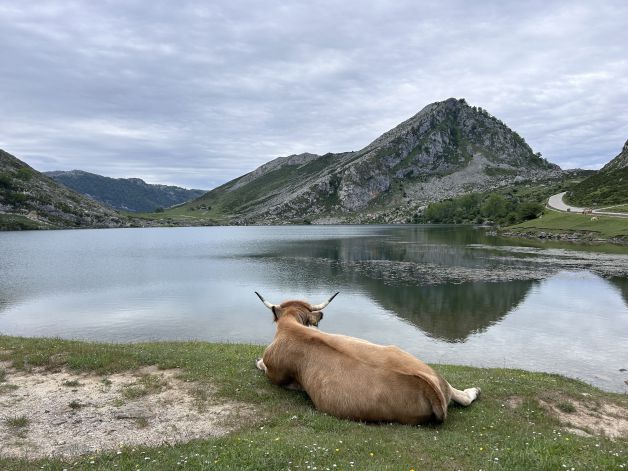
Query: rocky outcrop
{"points": [[446, 149]]}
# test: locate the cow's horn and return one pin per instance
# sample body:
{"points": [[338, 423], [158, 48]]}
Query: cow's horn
{"points": [[266, 303], [321, 306]]}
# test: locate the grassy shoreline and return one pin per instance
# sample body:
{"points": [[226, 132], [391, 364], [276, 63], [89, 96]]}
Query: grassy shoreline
{"points": [[510, 427], [575, 228]]}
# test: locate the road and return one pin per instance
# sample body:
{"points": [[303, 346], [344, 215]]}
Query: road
{"points": [[556, 202]]}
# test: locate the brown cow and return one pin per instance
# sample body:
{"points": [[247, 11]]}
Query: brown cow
{"points": [[351, 378]]}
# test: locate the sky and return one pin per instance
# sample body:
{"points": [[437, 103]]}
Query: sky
{"points": [[196, 93]]}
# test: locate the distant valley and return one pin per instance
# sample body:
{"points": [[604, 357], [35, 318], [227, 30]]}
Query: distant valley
{"points": [[124, 194], [31, 200]]}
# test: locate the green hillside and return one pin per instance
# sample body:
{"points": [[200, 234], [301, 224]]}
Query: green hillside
{"points": [[125, 194], [31, 200], [607, 187]]}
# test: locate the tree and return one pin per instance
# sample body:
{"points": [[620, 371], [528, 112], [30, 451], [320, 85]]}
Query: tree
{"points": [[495, 207], [529, 210]]}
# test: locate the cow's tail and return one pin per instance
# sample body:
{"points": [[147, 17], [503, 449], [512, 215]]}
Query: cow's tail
{"points": [[436, 387]]}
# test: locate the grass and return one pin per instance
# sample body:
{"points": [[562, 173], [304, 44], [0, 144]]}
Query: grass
{"points": [[17, 222], [18, 425], [141, 422], [75, 404], [17, 422], [606, 226], [567, 407], [617, 209], [147, 384], [7, 388], [288, 433], [71, 383]]}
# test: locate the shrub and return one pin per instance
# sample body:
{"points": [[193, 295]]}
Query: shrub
{"points": [[5, 181], [24, 173]]}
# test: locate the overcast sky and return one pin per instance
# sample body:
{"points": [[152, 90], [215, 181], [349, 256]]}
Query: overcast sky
{"points": [[196, 93]]}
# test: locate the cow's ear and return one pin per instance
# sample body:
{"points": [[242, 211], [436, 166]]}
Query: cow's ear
{"points": [[314, 317], [277, 312]]}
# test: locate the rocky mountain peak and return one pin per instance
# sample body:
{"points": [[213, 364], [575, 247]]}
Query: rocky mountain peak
{"points": [[446, 149]]}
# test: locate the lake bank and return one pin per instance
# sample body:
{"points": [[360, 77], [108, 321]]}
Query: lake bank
{"points": [[523, 420], [572, 228], [584, 238], [449, 294]]}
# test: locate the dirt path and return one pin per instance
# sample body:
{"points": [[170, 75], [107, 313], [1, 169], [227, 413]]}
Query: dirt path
{"points": [[65, 414]]}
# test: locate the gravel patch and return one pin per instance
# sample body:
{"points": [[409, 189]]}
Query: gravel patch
{"points": [[65, 414], [591, 418]]}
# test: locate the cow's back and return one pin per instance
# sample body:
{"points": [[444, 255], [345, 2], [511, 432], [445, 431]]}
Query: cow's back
{"points": [[353, 378]]}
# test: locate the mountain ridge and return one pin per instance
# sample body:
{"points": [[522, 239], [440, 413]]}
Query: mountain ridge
{"points": [[125, 194], [446, 149], [31, 200]]}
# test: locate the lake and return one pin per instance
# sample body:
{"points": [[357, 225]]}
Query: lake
{"points": [[448, 294]]}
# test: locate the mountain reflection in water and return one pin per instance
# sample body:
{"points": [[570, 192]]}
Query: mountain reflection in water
{"points": [[451, 312], [444, 293]]}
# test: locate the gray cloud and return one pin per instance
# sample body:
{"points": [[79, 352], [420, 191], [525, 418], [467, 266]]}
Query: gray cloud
{"points": [[198, 93]]}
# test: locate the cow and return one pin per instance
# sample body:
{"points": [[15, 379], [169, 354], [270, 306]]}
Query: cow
{"points": [[351, 378]]}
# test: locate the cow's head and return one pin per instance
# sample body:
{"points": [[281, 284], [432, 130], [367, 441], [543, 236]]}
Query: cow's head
{"points": [[305, 313]]}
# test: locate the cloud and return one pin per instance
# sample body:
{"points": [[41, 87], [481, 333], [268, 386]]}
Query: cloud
{"points": [[196, 94]]}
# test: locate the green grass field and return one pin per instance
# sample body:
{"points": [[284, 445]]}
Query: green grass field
{"points": [[618, 209], [563, 222], [16, 222], [507, 428]]}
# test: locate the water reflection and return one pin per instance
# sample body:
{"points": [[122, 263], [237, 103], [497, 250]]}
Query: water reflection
{"points": [[446, 294], [445, 246], [622, 285], [391, 270], [451, 312]]}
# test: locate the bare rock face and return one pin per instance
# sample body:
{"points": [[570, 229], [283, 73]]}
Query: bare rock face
{"points": [[446, 149]]}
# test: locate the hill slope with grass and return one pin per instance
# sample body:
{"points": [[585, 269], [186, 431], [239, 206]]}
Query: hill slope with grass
{"points": [[125, 194], [607, 187], [523, 420], [31, 200], [447, 149]]}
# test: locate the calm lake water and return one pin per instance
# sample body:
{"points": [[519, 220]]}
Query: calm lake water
{"points": [[446, 294]]}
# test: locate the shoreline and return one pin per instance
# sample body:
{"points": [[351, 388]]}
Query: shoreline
{"points": [[163, 405], [575, 237]]}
